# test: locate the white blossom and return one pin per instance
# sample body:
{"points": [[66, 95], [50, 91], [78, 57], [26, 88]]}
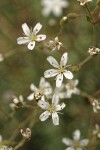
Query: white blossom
{"points": [[55, 44], [4, 147], [31, 36], [71, 88], [83, 2], [1, 57], [26, 134], [96, 105], [76, 143], [60, 91], [51, 109], [94, 51], [96, 131], [54, 6], [0, 138], [60, 71], [44, 89]]}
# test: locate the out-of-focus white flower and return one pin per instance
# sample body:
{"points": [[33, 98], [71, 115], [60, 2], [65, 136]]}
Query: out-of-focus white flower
{"points": [[26, 134], [76, 143], [94, 51], [96, 131], [0, 138], [60, 71], [44, 89], [1, 57], [83, 2], [4, 147], [71, 88], [51, 109], [55, 45], [96, 105], [54, 6], [31, 36], [60, 91]]}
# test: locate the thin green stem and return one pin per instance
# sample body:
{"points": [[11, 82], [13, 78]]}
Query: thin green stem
{"points": [[85, 61], [93, 23]]}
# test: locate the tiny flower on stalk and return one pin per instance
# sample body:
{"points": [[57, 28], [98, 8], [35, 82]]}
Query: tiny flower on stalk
{"points": [[83, 2], [76, 143], [44, 89], [94, 51], [26, 134], [60, 71], [96, 105], [71, 88], [54, 6], [96, 131], [51, 109], [31, 36], [18, 101], [54, 45]]}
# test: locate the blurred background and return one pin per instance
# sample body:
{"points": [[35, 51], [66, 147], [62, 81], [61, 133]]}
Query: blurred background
{"points": [[21, 67]]}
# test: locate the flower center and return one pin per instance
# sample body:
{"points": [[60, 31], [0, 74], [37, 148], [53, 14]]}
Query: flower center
{"points": [[76, 144], [42, 91], [71, 85], [52, 108], [33, 37], [61, 69]]}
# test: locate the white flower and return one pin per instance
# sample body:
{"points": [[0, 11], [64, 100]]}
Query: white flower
{"points": [[83, 2], [4, 147], [18, 101], [1, 57], [51, 109], [31, 36], [60, 71], [94, 51], [54, 6], [60, 91], [55, 45], [71, 88], [44, 89], [26, 134], [76, 143], [96, 105], [0, 138], [97, 131]]}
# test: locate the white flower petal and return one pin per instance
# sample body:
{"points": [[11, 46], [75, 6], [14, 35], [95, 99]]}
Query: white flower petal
{"points": [[42, 82], [30, 97], [84, 142], [59, 80], [57, 12], [43, 104], [22, 40], [64, 59], [41, 37], [37, 28], [31, 45], [53, 61], [76, 135], [68, 74], [48, 91], [55, 99], [26, 29], [33, 88], [50, 73], [44, 116], [67, 141], [60, 107], [70, 148], [55, 118]]}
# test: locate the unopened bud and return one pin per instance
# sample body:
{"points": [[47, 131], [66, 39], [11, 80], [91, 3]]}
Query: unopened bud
{"points": [[63, 21]]}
